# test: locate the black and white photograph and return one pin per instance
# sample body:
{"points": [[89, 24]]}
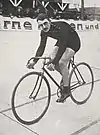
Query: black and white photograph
{"points": [[49, 67]]}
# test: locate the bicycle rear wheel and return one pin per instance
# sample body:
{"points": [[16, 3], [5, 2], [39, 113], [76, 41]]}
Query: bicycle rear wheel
{"points": [[81, 82], [26, 106]]}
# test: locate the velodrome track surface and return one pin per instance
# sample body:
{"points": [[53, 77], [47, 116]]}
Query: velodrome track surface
{"points": [[61, 119]]}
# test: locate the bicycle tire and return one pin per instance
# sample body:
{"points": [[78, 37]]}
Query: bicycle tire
{"points": [[92, 82], [14, 97]]}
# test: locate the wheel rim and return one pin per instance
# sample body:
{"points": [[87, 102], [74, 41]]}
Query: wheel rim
{"points": [[25, 109], [81, 94]]}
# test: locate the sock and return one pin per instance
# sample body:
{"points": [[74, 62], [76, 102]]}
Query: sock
{"points": [[66, 89]]}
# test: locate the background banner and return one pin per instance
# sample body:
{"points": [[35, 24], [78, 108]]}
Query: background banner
{"points": [[27, 24]]}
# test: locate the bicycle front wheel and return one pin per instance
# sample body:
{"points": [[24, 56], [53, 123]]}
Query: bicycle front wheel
{"points": [[31, 98], [81, 83]]}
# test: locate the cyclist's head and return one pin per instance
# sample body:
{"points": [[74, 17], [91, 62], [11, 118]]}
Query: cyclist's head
{"points": [[42, 16], [44, 22]]}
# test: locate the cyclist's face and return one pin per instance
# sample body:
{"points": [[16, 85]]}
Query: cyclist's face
{"points": [[44, 25]]}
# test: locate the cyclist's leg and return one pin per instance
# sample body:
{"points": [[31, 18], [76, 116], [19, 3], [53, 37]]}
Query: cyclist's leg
{"points": [[68, 54], [53, 55], [61, 67]]}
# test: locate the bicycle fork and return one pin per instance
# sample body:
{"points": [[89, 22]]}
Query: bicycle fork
{"points": [[39, 78]]}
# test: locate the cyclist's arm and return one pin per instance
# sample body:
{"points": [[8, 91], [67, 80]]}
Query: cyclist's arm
{"points": [[41, 47], [61, 49]]}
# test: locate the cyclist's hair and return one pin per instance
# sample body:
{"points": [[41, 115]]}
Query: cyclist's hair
{"points": [[42, 16]]}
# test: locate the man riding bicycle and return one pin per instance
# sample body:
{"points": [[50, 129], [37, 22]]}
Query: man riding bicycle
{"points": [[68, 43]]}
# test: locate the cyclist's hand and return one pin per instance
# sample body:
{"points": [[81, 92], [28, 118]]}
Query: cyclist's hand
{"points": [[49, 61], [31, 65], [51, 67]]}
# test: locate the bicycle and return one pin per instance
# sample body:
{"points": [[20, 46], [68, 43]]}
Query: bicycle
{"points": [[81, 76]]}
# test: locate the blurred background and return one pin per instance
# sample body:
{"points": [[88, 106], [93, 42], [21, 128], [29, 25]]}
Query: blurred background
{"points": [[56, 9]]}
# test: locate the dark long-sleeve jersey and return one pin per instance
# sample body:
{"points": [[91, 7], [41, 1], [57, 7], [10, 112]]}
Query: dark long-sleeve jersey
{"points": [[65, 35]]}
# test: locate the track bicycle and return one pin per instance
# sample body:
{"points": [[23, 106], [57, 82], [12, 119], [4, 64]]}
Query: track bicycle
{"points": [[31, 95]]}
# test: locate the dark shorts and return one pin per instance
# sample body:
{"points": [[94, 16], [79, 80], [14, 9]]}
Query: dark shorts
{"points": [[74, 42]]}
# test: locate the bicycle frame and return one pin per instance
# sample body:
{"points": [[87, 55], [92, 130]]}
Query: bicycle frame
{"points": [[71, 63], [44, 69], [78, 84]]}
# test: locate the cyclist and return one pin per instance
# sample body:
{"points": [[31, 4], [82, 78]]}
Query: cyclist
{"points": [[68, 43]]}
